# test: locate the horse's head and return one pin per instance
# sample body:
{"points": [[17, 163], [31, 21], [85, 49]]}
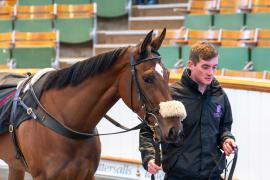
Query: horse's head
{"points": [[147, 92]]}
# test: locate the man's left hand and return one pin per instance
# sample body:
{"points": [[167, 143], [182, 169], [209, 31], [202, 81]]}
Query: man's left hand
{"points": [[228, 146]]}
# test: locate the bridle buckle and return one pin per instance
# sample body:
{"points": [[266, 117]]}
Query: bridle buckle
{"points": [[10, 128]]}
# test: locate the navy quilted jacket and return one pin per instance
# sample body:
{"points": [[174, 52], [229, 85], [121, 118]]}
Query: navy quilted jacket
{"points": [[207, 125]]}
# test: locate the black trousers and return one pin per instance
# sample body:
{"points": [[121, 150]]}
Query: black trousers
{"points": [[172, 177]]}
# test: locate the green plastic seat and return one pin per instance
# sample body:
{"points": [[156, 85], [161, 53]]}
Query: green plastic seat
{"points": [[6, 13], [76, 23], [75, 30], [105, 8], [260, 56], [234, 58], [258, 20], [34, 18], [229, 21], [72, 1], [35, 50], [185, 50], [5, 46], [198, 21], [4, 56], [34, 2], [39, 57], [170, 55], [5, 25], [33, 25]]}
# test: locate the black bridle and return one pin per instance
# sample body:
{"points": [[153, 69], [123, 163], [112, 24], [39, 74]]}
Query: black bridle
{"points": [[143, 100]]}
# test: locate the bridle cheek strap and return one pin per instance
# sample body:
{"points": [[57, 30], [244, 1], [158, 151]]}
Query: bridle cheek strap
{"points": [[172, 109], [139, 91]]}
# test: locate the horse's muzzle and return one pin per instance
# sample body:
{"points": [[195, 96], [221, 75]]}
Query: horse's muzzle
{"points": [[173, 112]]}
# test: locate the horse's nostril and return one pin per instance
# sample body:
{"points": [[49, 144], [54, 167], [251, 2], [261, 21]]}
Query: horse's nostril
{"points": [[172, 133]]}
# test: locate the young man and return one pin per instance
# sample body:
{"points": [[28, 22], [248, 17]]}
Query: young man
{"points": [[206, 129]]}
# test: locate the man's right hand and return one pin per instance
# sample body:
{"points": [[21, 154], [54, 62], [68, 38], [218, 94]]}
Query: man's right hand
{"points": [[152, 167]]}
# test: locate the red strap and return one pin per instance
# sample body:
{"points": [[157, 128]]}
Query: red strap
{"points": [[6, 98]]}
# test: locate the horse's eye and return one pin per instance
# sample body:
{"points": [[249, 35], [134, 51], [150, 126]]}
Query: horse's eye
{"points": [[148, 79]]}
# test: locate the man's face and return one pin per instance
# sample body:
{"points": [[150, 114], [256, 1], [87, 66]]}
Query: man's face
{"points": [[203, 71]]}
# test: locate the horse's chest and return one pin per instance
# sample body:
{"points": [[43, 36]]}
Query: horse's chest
{"points": [[79, 166], [78, 160]]}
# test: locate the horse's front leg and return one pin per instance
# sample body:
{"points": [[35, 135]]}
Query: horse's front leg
{"points": [[15, 174]]}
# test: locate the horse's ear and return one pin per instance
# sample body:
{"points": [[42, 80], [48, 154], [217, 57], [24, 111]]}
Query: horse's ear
{"points": [[147, 41], [158, 40]]}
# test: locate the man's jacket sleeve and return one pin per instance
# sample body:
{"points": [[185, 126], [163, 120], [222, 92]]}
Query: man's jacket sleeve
{"points": [[226, 123], [146, 146]]}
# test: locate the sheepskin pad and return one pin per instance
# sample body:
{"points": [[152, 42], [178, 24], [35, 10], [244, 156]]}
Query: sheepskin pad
{"points": [[172, 109]]}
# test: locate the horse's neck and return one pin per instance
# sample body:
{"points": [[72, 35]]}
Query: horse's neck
{"points": [[81, 107]]}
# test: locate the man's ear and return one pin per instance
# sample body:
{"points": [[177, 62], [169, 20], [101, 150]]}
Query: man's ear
{"points": [[146, 42], [158, 40], [190, 64]]}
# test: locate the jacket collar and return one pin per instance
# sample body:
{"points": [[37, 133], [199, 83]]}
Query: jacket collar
{"points": [[211, 89]]}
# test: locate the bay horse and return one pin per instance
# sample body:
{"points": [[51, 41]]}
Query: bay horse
{"points": [[79, 96]]}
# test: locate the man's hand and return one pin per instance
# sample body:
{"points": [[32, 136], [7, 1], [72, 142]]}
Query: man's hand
{"points": [[152, 167], [228, 146]]}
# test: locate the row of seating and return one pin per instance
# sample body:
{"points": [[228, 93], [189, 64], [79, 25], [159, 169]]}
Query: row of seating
{"points": [[226, 6], [47, 18], [73, 20], [42, 2], [29, 49], [242, 49], [221, 37], [228, 21], [104, 7], [227, 14]]}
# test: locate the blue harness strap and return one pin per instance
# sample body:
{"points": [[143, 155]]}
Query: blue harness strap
{"points": [[12, 126]]}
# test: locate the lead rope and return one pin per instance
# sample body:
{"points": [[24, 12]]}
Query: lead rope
{"points": [[156, 144], [157, 156], [234, 161]]}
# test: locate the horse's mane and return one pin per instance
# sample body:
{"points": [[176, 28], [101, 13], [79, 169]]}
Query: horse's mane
{"points": [[80, 71]]}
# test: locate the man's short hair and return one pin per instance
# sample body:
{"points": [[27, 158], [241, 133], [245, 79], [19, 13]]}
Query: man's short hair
{"points": [[202, 50]]}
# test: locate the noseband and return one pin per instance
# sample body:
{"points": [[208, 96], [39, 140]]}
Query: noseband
{"points": [[152, 111]]}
